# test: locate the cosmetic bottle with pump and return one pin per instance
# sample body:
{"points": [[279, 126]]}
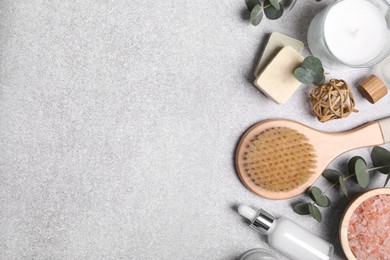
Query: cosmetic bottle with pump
{"points": [[288, 237]]}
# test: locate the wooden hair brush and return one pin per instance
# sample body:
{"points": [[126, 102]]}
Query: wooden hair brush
{"points": [[279, 159]]}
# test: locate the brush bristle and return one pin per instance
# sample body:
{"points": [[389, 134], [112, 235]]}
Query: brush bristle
{"points": [[279, 159]]}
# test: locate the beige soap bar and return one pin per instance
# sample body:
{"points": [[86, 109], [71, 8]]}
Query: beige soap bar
{"points": [[277, 80], [275, 43]]}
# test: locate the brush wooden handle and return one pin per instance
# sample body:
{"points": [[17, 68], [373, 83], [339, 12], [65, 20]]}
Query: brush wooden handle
{"points": [[385, 128], [331, 145]]}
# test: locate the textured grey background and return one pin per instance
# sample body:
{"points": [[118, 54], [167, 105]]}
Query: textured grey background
{"points": [[119, 121]]}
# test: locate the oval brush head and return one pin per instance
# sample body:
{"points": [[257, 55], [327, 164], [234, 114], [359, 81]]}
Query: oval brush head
{"points": [[276, 160]]}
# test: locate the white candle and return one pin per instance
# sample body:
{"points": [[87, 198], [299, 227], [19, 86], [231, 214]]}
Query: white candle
{"points": [[355, 31]]}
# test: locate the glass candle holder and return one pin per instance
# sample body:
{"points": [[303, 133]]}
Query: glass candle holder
{"points": [[354, 33], [258, 254]]}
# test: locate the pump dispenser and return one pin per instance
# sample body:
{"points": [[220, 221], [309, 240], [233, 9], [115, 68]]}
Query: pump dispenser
{"points": [[287, 236]]}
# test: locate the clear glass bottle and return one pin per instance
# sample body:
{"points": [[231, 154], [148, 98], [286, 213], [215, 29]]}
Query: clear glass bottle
{"points": [[288, 237]]}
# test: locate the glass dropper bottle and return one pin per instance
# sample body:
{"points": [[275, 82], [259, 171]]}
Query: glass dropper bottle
{"points": [[288, 237]]}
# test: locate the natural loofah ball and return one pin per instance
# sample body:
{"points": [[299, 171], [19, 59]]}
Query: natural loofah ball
{"points": [[332, 100]]}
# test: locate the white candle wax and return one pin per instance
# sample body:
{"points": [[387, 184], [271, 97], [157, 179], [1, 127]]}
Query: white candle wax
{"points": [[355, 31]]}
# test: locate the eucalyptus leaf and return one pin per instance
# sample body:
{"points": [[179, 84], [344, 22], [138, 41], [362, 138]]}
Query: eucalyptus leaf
{"points": [[387, 180], [314, 63], [381, 157], [319, 80], [315, 212], [315, 192], [310, 71], [332, 175], [250, 4], [275, 3], [256, 15], [318, 196], [305, 75], [351, 164], [362, 176], [357, 165], [343, 186], [271, 12], [302, 208], [323, 201]]}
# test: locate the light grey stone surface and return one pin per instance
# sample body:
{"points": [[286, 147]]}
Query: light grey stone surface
{"points": [[118, 125]]}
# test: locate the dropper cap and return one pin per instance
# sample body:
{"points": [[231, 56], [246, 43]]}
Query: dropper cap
{"points": [[260, 220]]}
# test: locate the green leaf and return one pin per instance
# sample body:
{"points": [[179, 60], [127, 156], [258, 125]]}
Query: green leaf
{"points": [[343, 186], [332, 175], [250, 4], [315, 212], [315, 192], [323, 201], [256, 15], [352, 162], [362, 176], [302, 208], [310, 71], [275, 3], [319, 81], [381, 157], [271, 12], [387, 180], [304, 75], [357, 165], [318, 196]]}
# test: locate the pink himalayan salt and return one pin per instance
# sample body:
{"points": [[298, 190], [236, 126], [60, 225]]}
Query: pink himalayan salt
{"points": [[369, 229]]}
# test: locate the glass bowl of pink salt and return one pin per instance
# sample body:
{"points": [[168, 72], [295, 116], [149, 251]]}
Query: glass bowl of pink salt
{"points": [[365, 226]]}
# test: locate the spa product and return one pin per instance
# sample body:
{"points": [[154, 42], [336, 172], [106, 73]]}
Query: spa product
{"points": [[350, 32], [333, 100], [258, 254], [365, 226], [277, 80], [280, 159], [372, 88], [288, 237], [275, 43]]}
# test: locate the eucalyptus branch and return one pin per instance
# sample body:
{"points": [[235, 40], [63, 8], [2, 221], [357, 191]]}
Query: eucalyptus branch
{"points": [[272, 9], [357, 169], [378, 168], [270, 5], [292, 4], [331, 187]]}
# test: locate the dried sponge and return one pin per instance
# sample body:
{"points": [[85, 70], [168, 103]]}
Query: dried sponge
{"points": [[332, 100]]}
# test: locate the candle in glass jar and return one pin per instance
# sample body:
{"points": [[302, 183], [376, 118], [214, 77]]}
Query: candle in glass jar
{"points": [[355, 31]]}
